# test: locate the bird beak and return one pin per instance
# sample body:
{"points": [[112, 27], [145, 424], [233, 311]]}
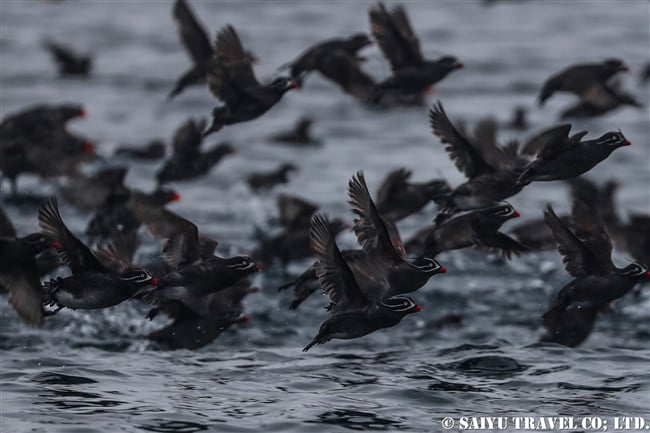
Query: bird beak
{"points": [[418, 308], [443, 270], [516, 215]]}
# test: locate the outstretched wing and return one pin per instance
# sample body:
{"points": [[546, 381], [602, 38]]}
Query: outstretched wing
{"points": [[547, 141], [192, 35], [181, 246], [188, 137], [578, 259], [394, 182], [395, 36], [465, 155], [117, 254], [231, 75], [589, 228], [373, 232], [334, 274], [73, 253]]}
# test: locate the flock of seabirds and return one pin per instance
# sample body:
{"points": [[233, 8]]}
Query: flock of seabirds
{"points": [[367, 287]]}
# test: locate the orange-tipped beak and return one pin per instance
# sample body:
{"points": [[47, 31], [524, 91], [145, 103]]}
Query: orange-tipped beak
{"points": [[418, 308], [154, 281]]}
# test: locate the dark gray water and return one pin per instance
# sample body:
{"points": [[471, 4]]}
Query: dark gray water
{"points": [[95, 371]]}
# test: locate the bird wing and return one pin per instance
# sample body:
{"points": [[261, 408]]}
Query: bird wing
{"points": [[547, 141], [294, 209], [501, 158], [577, 258], [25, 293], [501, 243], [6, 227], [376, 236], [193, 36], [465, 155], [117, 254], [392, 185], [73, 253], [188, 137], [231, 75], [395, 36], [589, 228], [61, 54], [334, 275], [180, 237]]}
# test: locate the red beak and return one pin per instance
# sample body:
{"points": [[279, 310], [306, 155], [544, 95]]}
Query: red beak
{"points": [[176, 196], [627, 143], [154, 281], [88, 148], [56, 244], [81, 114], [443, 270], [516, 215], [258, 269], [647, 274], [418, 308], [294, 85]]}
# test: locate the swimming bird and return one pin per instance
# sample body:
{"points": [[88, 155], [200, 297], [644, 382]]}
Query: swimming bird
{"points": [[586, 252], [232, 80], [99, 280], [19, 271], [299, 136], [412, 73], [268, 180], [355, 313]]}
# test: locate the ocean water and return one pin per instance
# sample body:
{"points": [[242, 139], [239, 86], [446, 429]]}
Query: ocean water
{"points": [[96, 372]]}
